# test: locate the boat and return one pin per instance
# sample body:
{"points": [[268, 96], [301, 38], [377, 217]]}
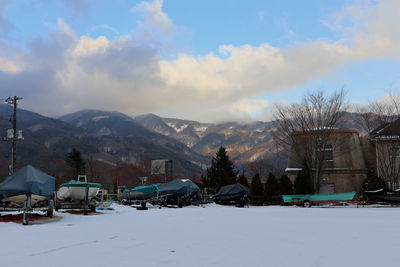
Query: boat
{"points": [[232, 194], [383, 196], [179, 191], [75, 190], [142, 192], [312, 199], [27, 181]]}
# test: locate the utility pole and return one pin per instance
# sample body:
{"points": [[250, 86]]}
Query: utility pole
{"points": [[14, 135]]}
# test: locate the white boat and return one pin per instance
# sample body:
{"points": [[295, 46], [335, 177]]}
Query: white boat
{"points": [[75, 190]]}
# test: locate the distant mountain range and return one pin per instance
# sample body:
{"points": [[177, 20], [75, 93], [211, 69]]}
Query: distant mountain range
{"points": [[114, 138], [109, 137], [243, 141]]}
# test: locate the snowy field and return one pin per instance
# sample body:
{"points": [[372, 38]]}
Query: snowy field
{"points": [[211, 236]]}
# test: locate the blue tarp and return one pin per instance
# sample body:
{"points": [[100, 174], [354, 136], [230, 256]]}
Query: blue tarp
{"points": [[232, 192], [27, 180]]}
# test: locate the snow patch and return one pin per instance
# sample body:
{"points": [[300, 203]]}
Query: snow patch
{"points": [[36, 127], [97, 118], [104, 131], [200, 128], [293, 169], [176, 128]]}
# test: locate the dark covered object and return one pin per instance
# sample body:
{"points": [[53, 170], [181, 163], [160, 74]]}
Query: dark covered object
{"points": [[27, 180], [232, 193], [385, 196], [179, 188]]}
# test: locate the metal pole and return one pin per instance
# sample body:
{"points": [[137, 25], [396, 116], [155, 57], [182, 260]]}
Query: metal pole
{"points": [[14, 141], [10, 168], [14, 101]]}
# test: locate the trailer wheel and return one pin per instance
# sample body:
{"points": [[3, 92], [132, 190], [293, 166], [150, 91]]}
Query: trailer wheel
{"points": [[49, 213], [307, 204], [92, 208]]}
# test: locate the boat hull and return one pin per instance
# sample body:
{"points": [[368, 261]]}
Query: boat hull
{"points": [[391, 197], [76, 193], [318, 198], [19, 199]]}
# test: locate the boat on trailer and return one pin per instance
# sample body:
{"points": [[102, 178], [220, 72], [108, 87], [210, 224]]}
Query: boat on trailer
{"points": [[76, 190], [383, 196], [307, 200], [26, 190], [139, 193]]}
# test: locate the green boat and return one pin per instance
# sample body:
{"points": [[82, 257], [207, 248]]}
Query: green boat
{"points": [[140, 192], [76, 190], [313, 199]]}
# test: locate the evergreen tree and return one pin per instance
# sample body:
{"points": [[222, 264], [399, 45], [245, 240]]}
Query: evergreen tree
{"points": [[206, 181], [222, 170], [285, 185], [243, 180], [302, 184], [271, 190], [75, 160], [256, 190]]}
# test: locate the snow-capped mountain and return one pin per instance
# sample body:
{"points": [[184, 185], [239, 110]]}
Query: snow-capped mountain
{"points": [[206, 138]]}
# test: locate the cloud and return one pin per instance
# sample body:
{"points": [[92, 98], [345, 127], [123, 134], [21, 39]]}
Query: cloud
{"points": [[8, 66], [155, 22], [63, 72]]}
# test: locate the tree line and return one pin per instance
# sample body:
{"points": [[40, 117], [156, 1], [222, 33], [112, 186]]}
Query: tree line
{"points": [[222, 172]]}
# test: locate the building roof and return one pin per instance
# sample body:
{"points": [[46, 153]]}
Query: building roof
{"points": [[387, 131], [327, 130]]}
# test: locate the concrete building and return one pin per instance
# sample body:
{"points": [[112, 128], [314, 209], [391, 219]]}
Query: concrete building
{"points": [[346, 159]]}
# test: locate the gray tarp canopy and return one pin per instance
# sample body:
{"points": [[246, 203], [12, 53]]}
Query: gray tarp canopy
{"points": [[232, 192], [27, 180], [179, 187]]}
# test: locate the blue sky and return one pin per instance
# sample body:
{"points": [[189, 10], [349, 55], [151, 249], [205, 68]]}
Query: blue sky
{"points": [[205, 60]]}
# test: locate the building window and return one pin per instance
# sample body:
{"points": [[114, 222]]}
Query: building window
{"points": [[325, 152]]}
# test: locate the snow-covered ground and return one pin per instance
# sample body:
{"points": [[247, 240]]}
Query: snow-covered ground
{"points": [[211, 236]]}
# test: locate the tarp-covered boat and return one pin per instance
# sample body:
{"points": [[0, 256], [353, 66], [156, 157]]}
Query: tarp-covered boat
{"points": [[179, 189], [384, 196], [27, 180], [233, 193], [76, 190], [309, 199], [142, 192]]}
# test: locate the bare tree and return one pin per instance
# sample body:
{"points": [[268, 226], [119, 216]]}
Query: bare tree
{"points": [[306, 129], [377, 113]]}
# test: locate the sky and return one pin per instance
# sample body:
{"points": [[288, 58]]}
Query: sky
{"points": [[203, 60]]}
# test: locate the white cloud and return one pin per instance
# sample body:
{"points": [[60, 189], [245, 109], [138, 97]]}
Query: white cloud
{"points": [[155, 21], [128, 75], [8, 66]]}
